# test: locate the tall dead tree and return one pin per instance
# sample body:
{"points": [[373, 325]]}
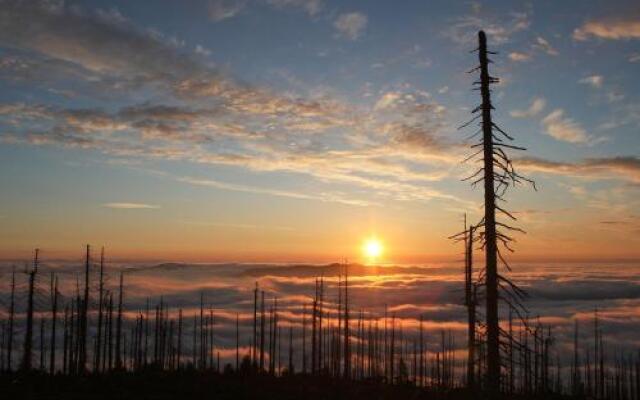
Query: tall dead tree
{"points": [[497, 175], [84, 311], [98, 354], [491, 273], [28, 336]]}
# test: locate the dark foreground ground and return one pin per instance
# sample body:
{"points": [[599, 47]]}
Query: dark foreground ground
{"points": [[187, 386]]}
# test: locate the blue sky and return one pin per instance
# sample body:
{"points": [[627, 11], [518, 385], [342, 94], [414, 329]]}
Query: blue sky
{"points": [[293, 129]]}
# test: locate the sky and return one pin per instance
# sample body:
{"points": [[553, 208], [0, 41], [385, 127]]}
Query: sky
{"points": [[292, 130]]}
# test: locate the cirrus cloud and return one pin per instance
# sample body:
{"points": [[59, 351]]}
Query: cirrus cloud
{"points": [[611, 29], [351, 25], [131, 206], [537, 105], [563, 128]]}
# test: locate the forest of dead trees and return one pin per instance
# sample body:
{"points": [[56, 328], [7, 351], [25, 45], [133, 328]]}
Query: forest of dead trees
{"points": [[92, 332]]}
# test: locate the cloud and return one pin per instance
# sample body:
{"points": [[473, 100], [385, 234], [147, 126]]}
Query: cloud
{"points": [[351, 25], [611, 168], [499, 30], [559, 293], [387, 100], [593, 80], [543, 45], [390, 158], [208, 118], [563, 128], [311, 7], [131, 206], [537, 105], [223, 9], [519, 57], [326, 197], [611, 29]]}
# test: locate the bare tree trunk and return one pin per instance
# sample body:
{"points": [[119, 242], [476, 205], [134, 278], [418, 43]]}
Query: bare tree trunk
{"points": [[320, 332], [98, 347], [82, 356], [347, 347], [471, 308], [237, 342], [65, 340], [146, 333], [54, 316], [262, 327], [119, 326], [314, 354], [12, 313], [179, 351], [304, 338], [255, 326], [28, 337], [491, 250], [194, 347], [392, 349], [290, 368]]}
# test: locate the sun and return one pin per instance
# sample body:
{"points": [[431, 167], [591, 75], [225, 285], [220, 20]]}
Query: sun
{"points": [[372, 248]]}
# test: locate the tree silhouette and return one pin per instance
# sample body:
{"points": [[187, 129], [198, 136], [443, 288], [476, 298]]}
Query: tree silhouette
{"points": [[497, 174]]}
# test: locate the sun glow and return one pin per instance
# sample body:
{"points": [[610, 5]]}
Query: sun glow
{"points": [[372, 249]]}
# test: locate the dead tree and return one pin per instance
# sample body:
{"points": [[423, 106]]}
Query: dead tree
{"points": [[304, 338], [12, 313], [54, 318], [347, 347], [290, 368], [255, 325], [119, 326], [84, 316], [470, 303], [179, 349], [497, 175], [314, 331], [262, 327], [98, 354], [237, 341], [28, 336], [320, 314]]}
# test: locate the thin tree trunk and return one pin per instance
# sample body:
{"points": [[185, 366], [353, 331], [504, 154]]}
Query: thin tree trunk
{"points": [[98, 347], [347, 346], [119, 326], [82, 360], [28, 337], [54, 316], [12, 312], [179, 351]]}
